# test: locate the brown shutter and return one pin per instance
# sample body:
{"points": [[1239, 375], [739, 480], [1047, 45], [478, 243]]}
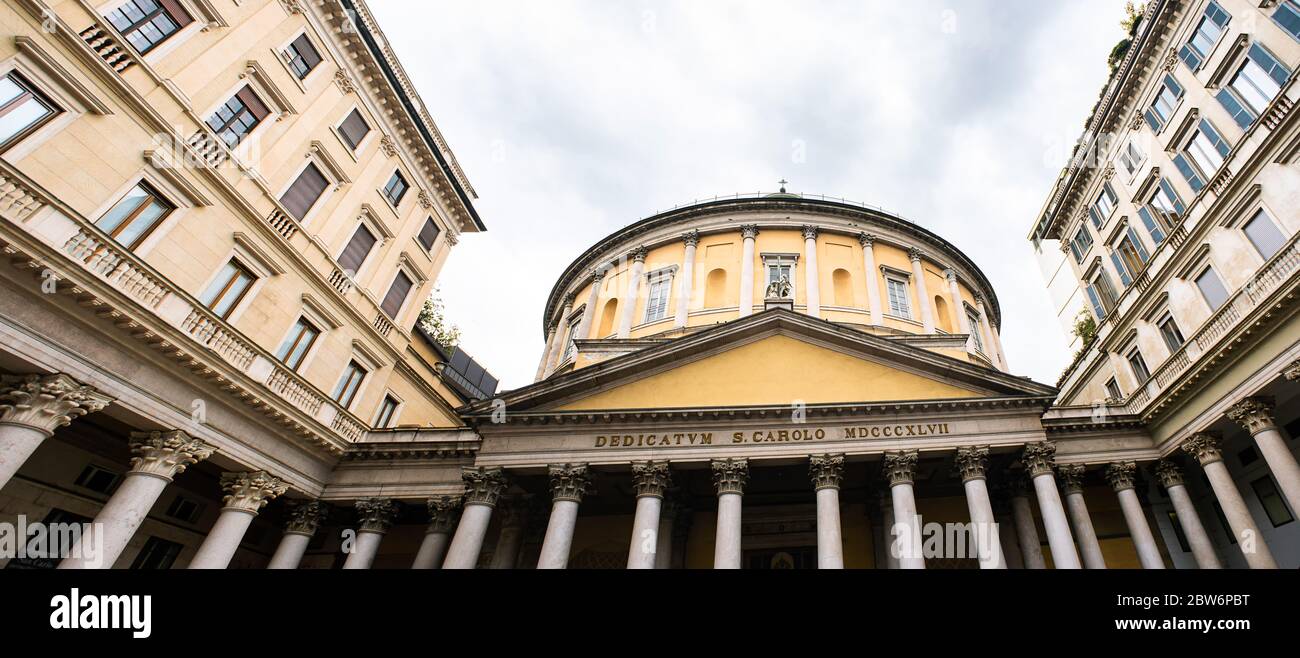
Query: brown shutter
{"points": [[304, 192], [358, 248], [252, 102], [428, 233], [177, 12], [354, 129], [396, 295], [307, 51]]}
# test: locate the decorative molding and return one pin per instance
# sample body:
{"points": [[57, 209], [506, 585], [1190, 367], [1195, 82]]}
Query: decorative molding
{"points": [[748, 231], [483, 486], [809, 232], [914, 254], [318, 151], [254, 250], [250, 492], [46, 402], [254, 71], [691, 238], [305, 518], [1169, 474], [1121, 475], [900, 467], [63, 76], [164, 167], [638, 254], [1039, 458], [569, 482], [730, 476], [444, 512], [1292, 372], [1254, 413], [1071, 477], [375, 514], [426, 201], [388, 146], [166, 454], [345, 82], [1204, 446], [651, 478], [826, 471], [866, 240], [972, 462]]}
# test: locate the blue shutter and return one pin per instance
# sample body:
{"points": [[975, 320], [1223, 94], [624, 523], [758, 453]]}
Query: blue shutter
{"points": [[1193, 178], [1092, 214], [1216, 13], [1219, 145], [1169, 190], [1269, 63], [1157, 236], [1124, 277], [1097, 308], [1173, 86], [1240, 113], [1288, 16], [1110, 194], [1152, 120], [1137, 244], [1189, 56]]}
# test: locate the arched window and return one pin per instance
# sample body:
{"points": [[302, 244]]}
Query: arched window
{"points": [[607, 318], [715, 289], [842, 283], [943, 318]]}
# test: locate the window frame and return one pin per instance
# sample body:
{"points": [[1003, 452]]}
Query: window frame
{"points": [[437, 233], [1208, 53], [1276, 494], [1137, 365], [137, 25], [331, 184], [384, 421], [905, 296], [247, 109], [386, 190], [287, 350], [406, 300], [289, 61], [663, 283], [35, 93], [1209, 268], [340, 390], [156, 196], [365, 139], [1162, 324], [1261, 214], [239, 266]]}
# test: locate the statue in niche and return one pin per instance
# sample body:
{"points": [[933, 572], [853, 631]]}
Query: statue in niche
{"points": [[779, 289]]}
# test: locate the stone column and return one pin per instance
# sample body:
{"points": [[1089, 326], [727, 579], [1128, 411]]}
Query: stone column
{"points": [[687, 284], [246, 494], [546, 355], [1121, 475], [1031, 548], [649, 480], [374, 517], [159, 457], [627, 310], [583, 331], [991, 343], [1205, 448], [561, 336], [1010, 542], [1171, 478], [748, 234], [900, 469], [868, 242], [569, 483], [304, 519], [513, 513], [812, 276], [483, 488], [886, 503], [443, 513], [1071, 476], [827, 471], [729, 478], [922, 294], [1256, 415], [1039, 458], [32, 407], [972, 462], [958, 306], [668, 512]]}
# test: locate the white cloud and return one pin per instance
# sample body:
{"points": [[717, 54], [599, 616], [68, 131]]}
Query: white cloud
{"points": [[574, 118]]}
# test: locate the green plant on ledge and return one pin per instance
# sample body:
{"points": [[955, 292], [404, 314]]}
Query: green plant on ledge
{"points": [[1085, 329]]}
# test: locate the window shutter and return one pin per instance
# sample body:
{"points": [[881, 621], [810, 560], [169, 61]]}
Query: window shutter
{"points": [[177, 12], [1173, 196], [428, 233], [396, 295], [1240, 113], [1184, 167], [307, 51], [1219, 144], [1137, 244], [1189, 57], [1097, 308], [1124, 277], [1288, 17], [354, 129], [1157, 236], [252, 102], [358, 248], [1173, 86], [304, 192], [1152, 119], [1269, 63]]}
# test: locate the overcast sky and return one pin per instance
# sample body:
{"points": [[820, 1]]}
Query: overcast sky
{"points": [[573, 118]]}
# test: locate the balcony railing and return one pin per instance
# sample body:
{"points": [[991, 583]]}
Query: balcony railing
{"points": [[107, 48], [97, 254]]}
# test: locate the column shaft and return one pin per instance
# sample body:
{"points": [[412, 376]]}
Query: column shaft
{"points": [[646, 541], [1197, 539], [1084, 532], [664, 549], [687, 284], [627, 310], [546, 355], [830, 542], [812, 276], [223, 539], [506, 555], [1281, 463], [118, 520], [1249, 539], [1064, 555], [468, 540], [747, 274], [988, 541], [288, 555], [561, 339], [559, 535], [726, 545], [922, 294], [873, 278], [1031, 548], [1140, 530], [432, 549], [364, 550], [17, 443], [589, 314], [886, 533], [907, 526]]}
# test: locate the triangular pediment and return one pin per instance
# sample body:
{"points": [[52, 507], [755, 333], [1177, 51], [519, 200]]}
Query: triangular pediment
{"points": [[776, 358]]}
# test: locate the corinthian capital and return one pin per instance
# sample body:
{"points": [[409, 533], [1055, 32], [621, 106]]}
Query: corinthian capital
{"points": [[691, 238], [1039, 458], [1121, 475], [1169, 473], [483, 486], [375, 514], [166, 454], [1071, 477], [304, 518], [1292, 372], [569, 481], [443, 512], [826, 470], [900, 466], [250, 492], [915, 255], [749, 231], [972, 462], [730, 475], [638, 255], [809, 232], [866, 240], [1255, 413], [650, 478], [46, 402], [1204, 447]]}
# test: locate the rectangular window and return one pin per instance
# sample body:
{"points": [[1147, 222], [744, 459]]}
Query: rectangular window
{"points": [[570, 347], [1132, 253], [230, 286], [1288, 16], [297, 343], [1170, 333], [358, 249], [428, 234], [1162, 212], [899, 301], [354, 129], [1139, 366], [147, 23], [97, 479], [349, 384], [1207, 33], [304, 192], [1166, 101], [1271, 500], [1101, 294], [132, 219], [1131, 157], [396, 295], [1212, 289], [1202, 156], [387, 411], [55, 516], [395, 189], [656, 306], [973, 322], [185, 509], [157, 554], [301, 56], [1257, 82], [1103, 206], [1264, 234], [238, 116], [22, 109], [1081, 243], [1112, 390]]}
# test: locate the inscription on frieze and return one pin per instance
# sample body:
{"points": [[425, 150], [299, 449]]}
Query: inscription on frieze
{"points": [[767, 436]]}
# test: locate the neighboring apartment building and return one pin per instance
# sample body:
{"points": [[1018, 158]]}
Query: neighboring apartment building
{"points": [[1177, 222], [219, 222]]}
